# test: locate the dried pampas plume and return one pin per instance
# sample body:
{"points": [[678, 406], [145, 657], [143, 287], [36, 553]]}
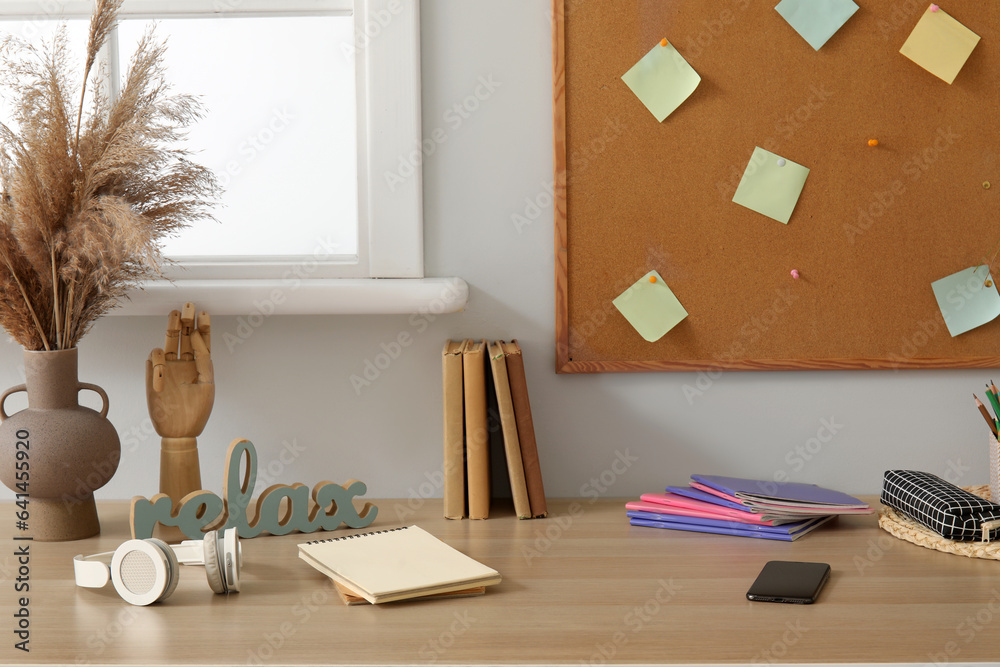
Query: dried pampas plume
{"points": [[87, 195]]}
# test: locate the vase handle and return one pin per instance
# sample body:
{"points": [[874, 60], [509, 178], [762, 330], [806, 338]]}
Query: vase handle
{"points": [[93, 387], [3, 399]]}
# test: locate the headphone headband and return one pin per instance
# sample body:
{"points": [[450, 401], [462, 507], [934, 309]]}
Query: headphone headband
{"points": [[93, 571]]}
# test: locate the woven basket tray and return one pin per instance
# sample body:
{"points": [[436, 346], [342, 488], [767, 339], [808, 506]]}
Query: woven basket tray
{"points": [[905, 528]]}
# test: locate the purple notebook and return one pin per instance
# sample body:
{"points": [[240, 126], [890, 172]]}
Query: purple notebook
{"points": [[780, 493], [785, 528], [695, 494], [737, 532]]}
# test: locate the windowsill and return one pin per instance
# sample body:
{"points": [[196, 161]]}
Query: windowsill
{"points": [[319, 296]]}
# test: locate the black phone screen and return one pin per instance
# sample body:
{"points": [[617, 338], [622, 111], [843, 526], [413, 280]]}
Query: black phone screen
{"points": [[789, 581]]}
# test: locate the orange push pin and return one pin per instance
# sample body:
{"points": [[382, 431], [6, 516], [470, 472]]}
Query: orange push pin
{"points": [[652, 279], [664, 42], [873, 142]]}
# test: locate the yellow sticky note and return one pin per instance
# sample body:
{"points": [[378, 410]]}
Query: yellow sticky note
{"points": [[662, 80], [940, 44], [650, 307]]}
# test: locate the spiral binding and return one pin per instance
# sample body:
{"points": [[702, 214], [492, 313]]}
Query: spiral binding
{"points": [[351, 537]]}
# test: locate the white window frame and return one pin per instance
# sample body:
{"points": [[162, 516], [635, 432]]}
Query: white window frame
{"points": [[390, 214]]}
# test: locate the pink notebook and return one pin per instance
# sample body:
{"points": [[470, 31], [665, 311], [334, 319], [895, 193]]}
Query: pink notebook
{"points": [[658, 502]]}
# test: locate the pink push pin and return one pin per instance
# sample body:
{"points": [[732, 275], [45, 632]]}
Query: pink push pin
{"points": [[795, 274], [934, 8]]}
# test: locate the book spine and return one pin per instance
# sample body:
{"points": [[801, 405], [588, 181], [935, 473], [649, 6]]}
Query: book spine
{"points": [[476, 433], [512, 448], [525, 430], [454, 431]]}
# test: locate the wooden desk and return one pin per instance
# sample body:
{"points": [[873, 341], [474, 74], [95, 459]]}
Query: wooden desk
{"points": [[579, 587]]}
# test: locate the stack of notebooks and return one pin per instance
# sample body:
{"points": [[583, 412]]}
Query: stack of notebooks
{"points": [[743, 507], [405, 563], [484, 379]]}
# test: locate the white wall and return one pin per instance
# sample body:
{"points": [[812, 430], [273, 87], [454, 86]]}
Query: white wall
{"points": [[289, 382]]}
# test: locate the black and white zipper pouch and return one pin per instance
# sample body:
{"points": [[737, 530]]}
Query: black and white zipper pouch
{"points": [[948, 510]]}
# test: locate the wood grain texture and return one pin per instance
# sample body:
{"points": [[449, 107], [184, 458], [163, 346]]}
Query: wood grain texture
{"points": [[559, 181], [874, 227], [575, 584]]}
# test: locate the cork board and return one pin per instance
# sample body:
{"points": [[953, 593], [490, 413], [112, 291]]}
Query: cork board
{"points": [[873, 228]]}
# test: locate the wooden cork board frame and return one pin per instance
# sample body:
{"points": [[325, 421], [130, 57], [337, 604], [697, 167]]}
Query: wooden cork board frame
{"points": [[873, 228]]}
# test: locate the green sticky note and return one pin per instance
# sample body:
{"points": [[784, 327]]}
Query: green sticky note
{"points": [[940, 44], [650, 307], [965, 300], [771, 185], [662, 80], [816, 20]]}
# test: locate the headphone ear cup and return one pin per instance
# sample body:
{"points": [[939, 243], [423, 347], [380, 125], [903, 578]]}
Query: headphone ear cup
{"points": [[174, 574], [144, 571], [213, 568]]}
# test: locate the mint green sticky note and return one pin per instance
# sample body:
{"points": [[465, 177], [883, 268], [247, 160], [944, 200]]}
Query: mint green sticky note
{"points": [[662, 80], [816, 20], [771, 185], [650, 307], [965, 300]]}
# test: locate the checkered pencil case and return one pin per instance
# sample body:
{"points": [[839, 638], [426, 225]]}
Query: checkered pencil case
{"points": [[948, 510]]}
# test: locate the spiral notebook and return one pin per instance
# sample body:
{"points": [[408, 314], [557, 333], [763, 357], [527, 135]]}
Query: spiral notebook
{"points": [[396, 564]]}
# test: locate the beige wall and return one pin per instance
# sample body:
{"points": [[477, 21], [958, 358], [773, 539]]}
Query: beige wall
{"points": [[287, 386]]}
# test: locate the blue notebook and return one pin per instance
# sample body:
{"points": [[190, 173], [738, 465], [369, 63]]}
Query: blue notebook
{"points": [[734, 529]]}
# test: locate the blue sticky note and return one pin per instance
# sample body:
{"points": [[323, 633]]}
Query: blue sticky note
{"points": [[816, 20], [965, 300]]}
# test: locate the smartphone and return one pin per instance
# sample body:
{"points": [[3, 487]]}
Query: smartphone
{"points": [[789, 581]]}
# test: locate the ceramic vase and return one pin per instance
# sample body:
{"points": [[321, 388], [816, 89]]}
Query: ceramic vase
{"points": [[62, 450]]}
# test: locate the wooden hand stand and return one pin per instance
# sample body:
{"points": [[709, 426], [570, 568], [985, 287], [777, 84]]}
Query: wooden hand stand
{"points": [[180, 393], [180, 473]]}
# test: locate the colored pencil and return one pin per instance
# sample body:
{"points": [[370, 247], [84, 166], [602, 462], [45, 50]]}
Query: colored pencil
{"points": [[994, 401], [986, 415]]}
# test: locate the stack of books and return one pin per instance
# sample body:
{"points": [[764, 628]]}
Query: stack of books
{"points": [[484, 379], [743, 507]]}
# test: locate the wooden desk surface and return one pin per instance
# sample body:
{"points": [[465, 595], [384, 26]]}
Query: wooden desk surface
{"points": [[581, 587]]}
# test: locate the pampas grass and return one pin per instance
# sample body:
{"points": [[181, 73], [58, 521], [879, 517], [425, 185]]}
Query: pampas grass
{"points": [[88, 189]]}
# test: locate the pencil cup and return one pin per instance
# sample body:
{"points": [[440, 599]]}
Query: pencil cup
{"points": [[994, 469]]}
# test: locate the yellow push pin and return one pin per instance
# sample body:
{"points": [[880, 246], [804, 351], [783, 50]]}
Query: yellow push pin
{"points": [[664, 42]]}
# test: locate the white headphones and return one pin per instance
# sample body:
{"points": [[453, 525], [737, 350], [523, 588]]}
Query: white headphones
{"points": [[147, 571]]}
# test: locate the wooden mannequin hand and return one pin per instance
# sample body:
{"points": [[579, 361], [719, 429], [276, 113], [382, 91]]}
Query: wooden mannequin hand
{"points": [[180, 380]]}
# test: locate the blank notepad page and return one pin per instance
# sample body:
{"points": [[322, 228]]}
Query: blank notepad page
{"points": [[385, 563]]}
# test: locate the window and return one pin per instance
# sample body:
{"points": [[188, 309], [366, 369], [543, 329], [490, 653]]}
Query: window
{"points": [[317, 103]]}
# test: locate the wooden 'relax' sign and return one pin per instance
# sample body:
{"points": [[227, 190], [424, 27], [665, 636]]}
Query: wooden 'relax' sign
{"points": [[280, 509]]}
